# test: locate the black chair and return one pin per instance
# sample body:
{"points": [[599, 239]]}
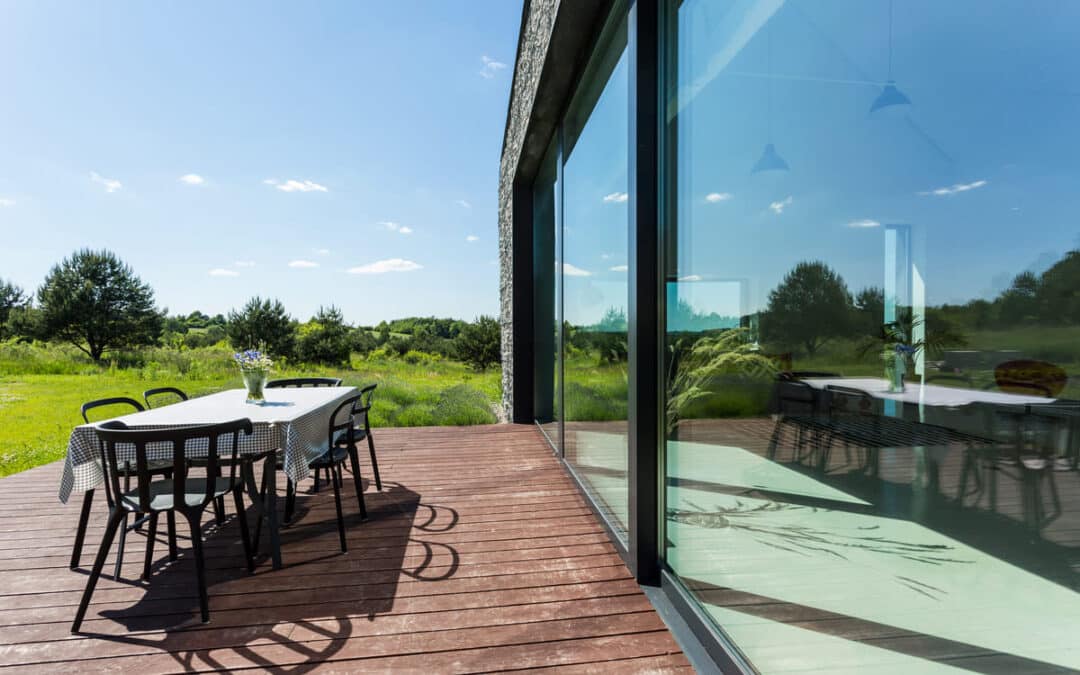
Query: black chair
{"points": [[342, 439], [796, 407], [162, 391], [181, 493], [362, 428], [304, 382], [157, 468]]}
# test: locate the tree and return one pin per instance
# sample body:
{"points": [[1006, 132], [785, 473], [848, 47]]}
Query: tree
{"points": [[94, 301], [325, 339], [262, 324], [810, 306], [478, 343], [12, 299]]}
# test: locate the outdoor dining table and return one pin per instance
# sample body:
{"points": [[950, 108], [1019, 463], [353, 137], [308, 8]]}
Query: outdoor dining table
{"points": [[927, 394], [294, 420]]}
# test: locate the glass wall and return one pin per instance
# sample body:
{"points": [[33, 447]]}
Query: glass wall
{"points": [[872, 328], [594, 275]]}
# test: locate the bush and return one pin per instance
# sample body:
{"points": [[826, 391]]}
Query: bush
{"points": [[326, 339], [262, 324], [416, 358], [419, 415], [462, 405], [478, 344]]}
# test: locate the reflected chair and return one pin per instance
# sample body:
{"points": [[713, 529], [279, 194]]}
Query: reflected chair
{"points": [[304, 382], [796, 407], [180, 493], [1027, 443], [163, 391], [854, 420], [157, 468]]}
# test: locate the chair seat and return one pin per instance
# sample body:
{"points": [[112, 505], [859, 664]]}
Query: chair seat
{"points": [[335, 455], [161, 493], [359, 434]]}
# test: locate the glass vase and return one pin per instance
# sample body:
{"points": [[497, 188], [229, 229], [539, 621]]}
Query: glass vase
{"points": [[255, 383], [894, 372]]}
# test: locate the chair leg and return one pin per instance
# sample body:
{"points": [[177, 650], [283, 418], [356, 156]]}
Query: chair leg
{"points": [[151, 535], [170, 519], [355, 459], [194, 523], [374, 461], [80, 534], [238, 497], [120, 547], [219, 503], [337, 504], [115, 519], [290, 500]]}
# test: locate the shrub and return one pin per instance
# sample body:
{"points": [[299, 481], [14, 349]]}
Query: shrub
{"points": [[326, 339], [478, 344], [462, 405], [262, 324], [415, 358], [418, 415]]}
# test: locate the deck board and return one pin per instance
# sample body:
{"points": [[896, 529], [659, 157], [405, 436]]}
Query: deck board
{"points": [[479, 555]]}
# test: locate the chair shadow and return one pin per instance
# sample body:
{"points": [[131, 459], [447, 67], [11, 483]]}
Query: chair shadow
{"points": [[320, 594]]}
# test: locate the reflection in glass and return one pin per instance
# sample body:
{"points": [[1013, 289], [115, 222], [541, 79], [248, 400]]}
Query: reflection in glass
{"points": [[873, 433], [594, 275]]}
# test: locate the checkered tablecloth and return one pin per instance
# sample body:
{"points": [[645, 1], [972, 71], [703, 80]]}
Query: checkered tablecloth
{"points": [[293, 420]]}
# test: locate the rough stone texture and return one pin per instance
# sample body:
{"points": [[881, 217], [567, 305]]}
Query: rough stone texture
{"points": [[532, 50]]}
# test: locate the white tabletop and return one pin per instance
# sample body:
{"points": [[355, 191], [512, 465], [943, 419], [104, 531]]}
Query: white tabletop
{"points": [[926, 394], [281, 406]]}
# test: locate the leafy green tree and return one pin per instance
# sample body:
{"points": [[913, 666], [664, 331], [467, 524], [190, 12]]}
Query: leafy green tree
{"points": [[12, 299], [262, 324], [811, 306], [325, 339], [1057, 293], [478, 343], [94, 301]]}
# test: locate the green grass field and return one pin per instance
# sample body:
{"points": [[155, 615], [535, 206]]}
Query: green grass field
{"points": [[41, 390]]}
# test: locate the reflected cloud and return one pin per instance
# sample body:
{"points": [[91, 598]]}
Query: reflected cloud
{"points": [[572, 271], [778, 207], [717, 197], [616, 198], [864, 223]]}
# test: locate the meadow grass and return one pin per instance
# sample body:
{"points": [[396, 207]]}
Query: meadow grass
{"points": [[42, 388]]}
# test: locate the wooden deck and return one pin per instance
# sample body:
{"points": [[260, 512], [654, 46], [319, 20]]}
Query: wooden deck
{"points": [[479, 555]]}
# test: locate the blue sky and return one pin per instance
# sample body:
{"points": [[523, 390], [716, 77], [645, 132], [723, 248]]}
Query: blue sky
{"points": [[330, 153]]}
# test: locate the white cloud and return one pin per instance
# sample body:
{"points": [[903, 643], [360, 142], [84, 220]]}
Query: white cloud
{"points": [[322, 251], [472, 238], [111, 184], [222, 272], [463, 204], [296, 185], [303, 264], [491, 66], [953, 189], [620, 268], [571, 271], [778, 207], [864, 223], [716, 197], [244, 263], [396, 227], [192, 179], [6, 202], [384, 266], [605, 256], [616, 197], [691, 277]]}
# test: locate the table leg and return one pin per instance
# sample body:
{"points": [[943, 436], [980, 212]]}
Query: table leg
{"points": [[270, 470]]}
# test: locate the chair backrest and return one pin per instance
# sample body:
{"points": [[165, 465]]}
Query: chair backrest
{"points": [[344, 419], [794, 397], [161, 391], [848, 401], [137, 444], [363, 406], [116, 400], [304, 382]]}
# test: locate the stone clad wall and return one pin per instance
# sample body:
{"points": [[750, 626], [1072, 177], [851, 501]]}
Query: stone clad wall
{"points": [[533, 44]]}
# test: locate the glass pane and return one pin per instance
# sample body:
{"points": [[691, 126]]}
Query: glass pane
{"points": [[872, 329], [546, 297], [594, 272]]}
